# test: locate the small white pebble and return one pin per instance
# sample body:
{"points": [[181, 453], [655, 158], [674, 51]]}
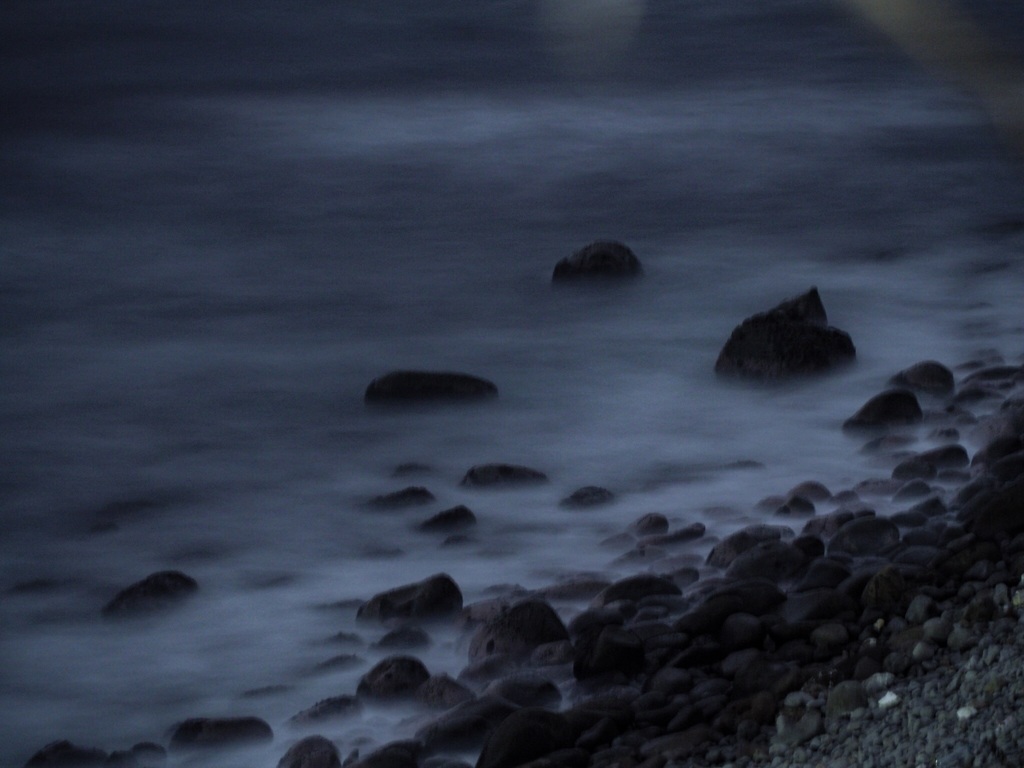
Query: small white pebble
{"points": [[890, 699], [966, 713]]}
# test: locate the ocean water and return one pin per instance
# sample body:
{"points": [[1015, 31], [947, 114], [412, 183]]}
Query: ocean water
{"points": [[217, 226]]}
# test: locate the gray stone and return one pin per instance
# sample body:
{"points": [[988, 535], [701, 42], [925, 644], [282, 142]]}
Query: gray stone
{"points": [[588, 496], [64, 754], [454, 519], [845, 697]]}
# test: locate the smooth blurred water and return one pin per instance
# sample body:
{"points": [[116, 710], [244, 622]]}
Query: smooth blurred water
{"points": [[217, 226]]}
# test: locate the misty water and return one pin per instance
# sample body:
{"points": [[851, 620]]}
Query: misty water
{"points": [[217, 227]]}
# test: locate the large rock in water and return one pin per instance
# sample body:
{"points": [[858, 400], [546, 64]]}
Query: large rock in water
{"points": [[791, 339], [413, 386], [600, 259], [156, 591], [208, 732], [64, 754], [517, 630], [434, 597]]}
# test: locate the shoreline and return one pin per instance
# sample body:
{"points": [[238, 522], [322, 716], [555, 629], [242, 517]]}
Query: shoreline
{"points": [[735, 671]]}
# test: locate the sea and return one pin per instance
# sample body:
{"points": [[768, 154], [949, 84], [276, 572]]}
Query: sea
{"points": [[220, 221]]}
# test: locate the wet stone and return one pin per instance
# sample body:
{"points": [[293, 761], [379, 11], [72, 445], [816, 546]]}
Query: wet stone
{"points": [[652, 523], [496, 475], [156, 592], [393, 677], [602, 259], [928, 376], [890, 408], [311, 752], [435, 597], [454, 519], [420, 386], [203, 732], [64, 754], [328, 709], [587, 496], [411, 496]]}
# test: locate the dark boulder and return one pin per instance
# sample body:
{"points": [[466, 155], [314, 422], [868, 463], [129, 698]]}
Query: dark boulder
{"points": [[1001, 512], [454, 519], [526, 691], [738, 542], [650, 524], [205, 732], [405, 637], [64, 754], [465, 726], [773, 560], [601, 259], [393, 678], [868, 535], [890, 408], [587, 496], [488, 475], [929, 376], [635, 588], [443, 692], [413, 386], [311, 752], [413, 496], [435, 597], [397, 754], [608, 649], [791, 339], [517, 630], [526, 735], [155, 592]]}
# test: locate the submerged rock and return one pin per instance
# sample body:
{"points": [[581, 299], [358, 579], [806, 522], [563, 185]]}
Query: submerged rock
{"points": [[600, 259], [434, 597], [410, 386], [64, 754], [587, 496], [412, 496], [794, 338], [204, 732], [456, 518], [155, 592], [487, 475], [328, 709], [890, 408]]}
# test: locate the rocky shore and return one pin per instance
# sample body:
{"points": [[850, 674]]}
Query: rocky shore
{"points": [[876, 625]]}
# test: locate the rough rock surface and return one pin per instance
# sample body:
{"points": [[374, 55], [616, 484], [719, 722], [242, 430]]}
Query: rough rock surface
{"points": [[793, 338], [412, 386], [600, 259]]}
